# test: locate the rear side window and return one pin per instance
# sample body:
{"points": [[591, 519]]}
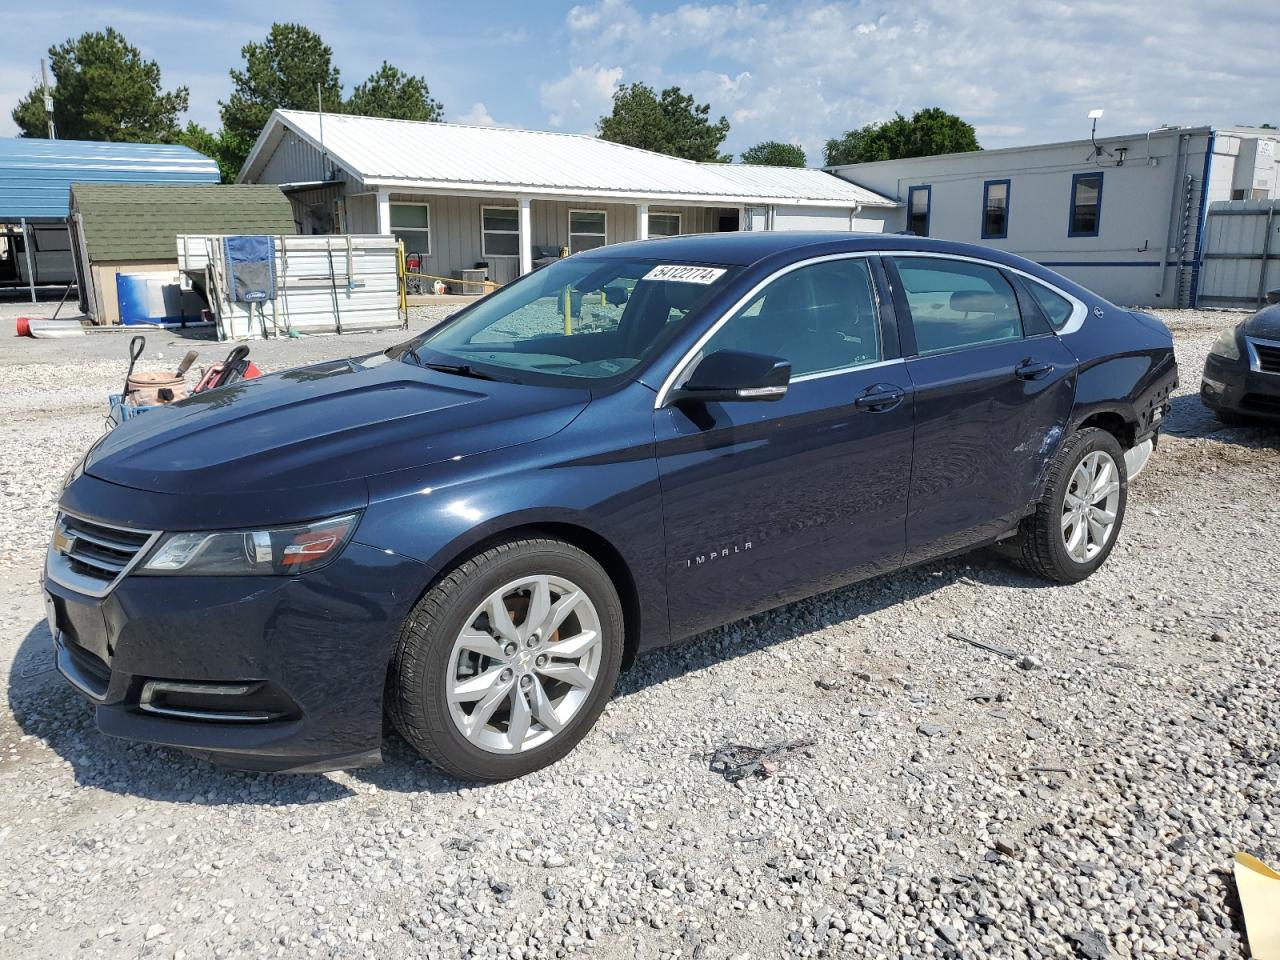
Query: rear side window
{"points": [[1055, 306], [955, 304]]}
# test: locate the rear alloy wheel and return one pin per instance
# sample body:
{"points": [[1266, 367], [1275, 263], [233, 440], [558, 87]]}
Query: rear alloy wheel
{"points": [[1078, 518], [1090, 505], [507, 661]]}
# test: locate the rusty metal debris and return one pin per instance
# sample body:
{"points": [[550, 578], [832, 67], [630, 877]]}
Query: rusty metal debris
{"points": [[736, 761]]}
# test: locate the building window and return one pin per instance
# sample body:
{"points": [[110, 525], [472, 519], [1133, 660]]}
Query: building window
{"points": [[500, 232], [586, 230], [995, 210], [918, 210], [411, 225], [1086, 205], [664, 224]]}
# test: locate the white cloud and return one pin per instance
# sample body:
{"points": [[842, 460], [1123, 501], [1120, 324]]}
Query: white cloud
{"points": [[478, 116], [1019, 70], [581, 96]]}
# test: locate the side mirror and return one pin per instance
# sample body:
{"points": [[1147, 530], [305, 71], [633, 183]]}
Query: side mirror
{"points": [[733, 375], [616, 296]]}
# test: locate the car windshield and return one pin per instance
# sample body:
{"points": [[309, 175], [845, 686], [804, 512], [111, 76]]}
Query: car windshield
{"points": [[579, 317]]}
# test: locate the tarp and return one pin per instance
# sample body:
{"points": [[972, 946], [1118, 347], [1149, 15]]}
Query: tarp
{"points": [[251, 265]]}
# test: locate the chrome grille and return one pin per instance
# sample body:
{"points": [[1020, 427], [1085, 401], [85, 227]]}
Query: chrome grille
{"points": [[1267, 354], [90, 557]]}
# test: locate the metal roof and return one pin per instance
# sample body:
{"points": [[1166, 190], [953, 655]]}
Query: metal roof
{"points": [[36, 175], [141, 221], [455, 157]]}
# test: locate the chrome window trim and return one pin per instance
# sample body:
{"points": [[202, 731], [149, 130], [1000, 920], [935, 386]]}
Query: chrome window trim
{"points": [[58, 569], [668, 384], [1255, 362], [1078, 313]]}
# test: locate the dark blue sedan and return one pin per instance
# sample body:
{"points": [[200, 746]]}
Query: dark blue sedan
{"points": [[478, 529]]}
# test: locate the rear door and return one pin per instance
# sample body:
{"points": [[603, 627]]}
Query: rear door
{"points": [[767, 501], [994, 388]]}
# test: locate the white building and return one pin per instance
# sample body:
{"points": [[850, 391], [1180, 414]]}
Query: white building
{"points": [[1124, 216], [466, 195]]}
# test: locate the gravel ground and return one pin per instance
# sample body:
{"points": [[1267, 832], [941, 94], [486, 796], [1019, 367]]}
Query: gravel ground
{"points": [[1082, 798]]}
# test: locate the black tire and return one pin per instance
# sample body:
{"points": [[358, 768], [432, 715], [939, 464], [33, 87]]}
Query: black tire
{"points": [[1039, 545], [415, 695]]}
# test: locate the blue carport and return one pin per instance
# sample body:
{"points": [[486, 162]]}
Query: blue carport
{"points": [[35, 186]]}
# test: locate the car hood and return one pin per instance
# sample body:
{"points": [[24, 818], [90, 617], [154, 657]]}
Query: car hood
{"points": [[1264, 324], [325, 424]]}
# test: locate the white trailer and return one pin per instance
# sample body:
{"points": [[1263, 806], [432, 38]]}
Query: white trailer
{"points": [[324, 284]]}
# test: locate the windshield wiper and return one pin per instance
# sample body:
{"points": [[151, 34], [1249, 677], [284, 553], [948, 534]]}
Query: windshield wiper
{"points": [[461, 369]]}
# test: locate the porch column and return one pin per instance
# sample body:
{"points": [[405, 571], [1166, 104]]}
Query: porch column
{"points": [[526, 236], [642, 221], [384, 212]]}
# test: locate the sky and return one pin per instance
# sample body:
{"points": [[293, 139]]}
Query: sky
{"points": [[1021, 71]]}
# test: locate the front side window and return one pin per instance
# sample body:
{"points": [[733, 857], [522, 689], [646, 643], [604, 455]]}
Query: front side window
{"points": [[819, 318], [995, 210], [1086, 204], [586, 230], [956, 304], [500, 231], [918, 210], [411, 225], [574, 318], [664, 224]]}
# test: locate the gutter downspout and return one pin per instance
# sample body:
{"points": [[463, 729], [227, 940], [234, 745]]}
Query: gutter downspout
{"points": [[1204, 209], [1175, 192]]}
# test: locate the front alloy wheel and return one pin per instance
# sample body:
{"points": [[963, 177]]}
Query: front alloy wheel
{"points": [[524, 664], [507, 660]]}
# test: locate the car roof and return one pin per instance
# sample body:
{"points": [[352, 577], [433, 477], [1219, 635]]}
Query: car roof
{"points": [[751, 247]]}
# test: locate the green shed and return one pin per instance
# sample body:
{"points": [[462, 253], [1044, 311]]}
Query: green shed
{"points": [[133, 229]]}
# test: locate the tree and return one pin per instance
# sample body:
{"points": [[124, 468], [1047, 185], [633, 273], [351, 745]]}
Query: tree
{"points": [[672, 124], [390, 92], [771, 153], [103, 90], [212, 145], [929, 132], [280, 73]]}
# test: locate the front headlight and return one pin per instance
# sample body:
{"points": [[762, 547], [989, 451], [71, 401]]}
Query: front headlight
{"points": [[283, 551], [1227, 346]]}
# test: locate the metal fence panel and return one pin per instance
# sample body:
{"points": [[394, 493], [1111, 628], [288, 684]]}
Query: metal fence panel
{"points": [[1241, 253]]}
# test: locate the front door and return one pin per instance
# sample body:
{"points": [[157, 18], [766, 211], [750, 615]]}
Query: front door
{"points": [[764, 502], [993, 393]]}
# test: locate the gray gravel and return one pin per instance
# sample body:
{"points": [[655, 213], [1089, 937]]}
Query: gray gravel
{"points": [[1084, 799]]}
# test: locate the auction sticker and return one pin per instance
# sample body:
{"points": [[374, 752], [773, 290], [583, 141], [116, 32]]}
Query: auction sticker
{"points": [[684, 274]]}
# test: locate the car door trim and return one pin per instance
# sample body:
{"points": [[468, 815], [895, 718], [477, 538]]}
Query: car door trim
{"points": [[1079, 311]]}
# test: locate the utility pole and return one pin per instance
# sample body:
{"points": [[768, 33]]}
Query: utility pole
{"points": [[48, 100]]}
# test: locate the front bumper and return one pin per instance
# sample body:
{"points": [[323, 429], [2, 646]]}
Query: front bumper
{"points": [[262, 673], [1234, 387]]}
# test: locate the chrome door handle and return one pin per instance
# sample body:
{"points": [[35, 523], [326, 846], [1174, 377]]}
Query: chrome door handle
{"points": [[1032, 370], [880, 398]]}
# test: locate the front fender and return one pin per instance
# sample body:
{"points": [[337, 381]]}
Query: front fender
{"points": [[598, 476]]}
